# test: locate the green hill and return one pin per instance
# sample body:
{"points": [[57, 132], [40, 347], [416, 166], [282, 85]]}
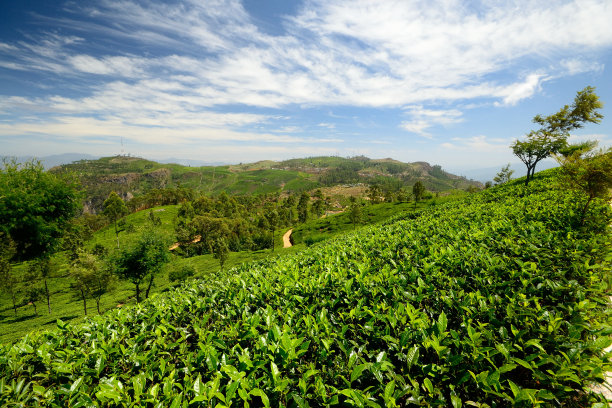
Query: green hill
{"points": [[132, 177], [499, 299]]}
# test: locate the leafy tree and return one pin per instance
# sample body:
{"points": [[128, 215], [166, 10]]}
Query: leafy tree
{"points": [[374, 193], [555, 129], [302, 207], [91, 279], [115, 209], [318, 208], [143, 259], [355, 214], [272, 217], [154, 219], [588, 171], [8, 281], [221, 251], [35, 207], [504, 175], [32, 294], [42, 269], [403, 196], [418, 191]]}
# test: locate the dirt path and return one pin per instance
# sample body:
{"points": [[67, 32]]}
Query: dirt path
{"points": [[176, 244], [287, 239]]}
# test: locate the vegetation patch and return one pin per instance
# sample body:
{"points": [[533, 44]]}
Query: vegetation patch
{"points": [[499, 299]]}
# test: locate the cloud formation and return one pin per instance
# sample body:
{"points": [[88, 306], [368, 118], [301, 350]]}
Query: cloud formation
{"points": [[204, 70]]}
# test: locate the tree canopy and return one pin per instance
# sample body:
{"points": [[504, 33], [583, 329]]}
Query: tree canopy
{"points": [[555, 129], [35, 207], [143, 259]]}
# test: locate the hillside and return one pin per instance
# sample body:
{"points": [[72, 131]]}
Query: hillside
{"points": [[131, 177], [499, 299]]}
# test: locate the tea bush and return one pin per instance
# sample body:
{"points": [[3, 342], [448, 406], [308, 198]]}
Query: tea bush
{"points": [[496, 300]]}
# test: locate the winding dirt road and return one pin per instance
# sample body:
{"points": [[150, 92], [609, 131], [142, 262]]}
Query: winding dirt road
{"points": [[287, 239]]}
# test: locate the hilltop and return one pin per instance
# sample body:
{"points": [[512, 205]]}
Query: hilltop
{"points": [[132, 177]]}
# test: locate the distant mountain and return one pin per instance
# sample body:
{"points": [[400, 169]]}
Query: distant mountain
{"points": [[131, 176], [487, 173], [56, 159], [190, 162]]}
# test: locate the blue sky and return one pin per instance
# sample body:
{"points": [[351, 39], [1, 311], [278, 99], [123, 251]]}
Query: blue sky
{"points": [[450, 82]]}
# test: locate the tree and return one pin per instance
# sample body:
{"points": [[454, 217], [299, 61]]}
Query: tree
{"points": [[418, 191], [90, 279], [143, 259], [114, 209], [43, 268], [8, 282], [302, 207], [555, 129], [588, 171], [221, 251], [31, 296], [504, 175], [374, 193], [35, 207], [272, 217], [355, 212]]}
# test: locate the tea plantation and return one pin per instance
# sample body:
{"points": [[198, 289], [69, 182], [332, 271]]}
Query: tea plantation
{"points": [[500, 299]]}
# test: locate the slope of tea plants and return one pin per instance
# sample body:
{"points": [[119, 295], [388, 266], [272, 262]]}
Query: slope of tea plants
{"points": [[496, 300]]}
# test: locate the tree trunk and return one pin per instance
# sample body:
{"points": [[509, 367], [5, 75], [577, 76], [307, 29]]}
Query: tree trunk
{"points": [[272, 243], [137, 293], [35, 312], [48, 297], [584, 210], [149, 286], [98, 305]]}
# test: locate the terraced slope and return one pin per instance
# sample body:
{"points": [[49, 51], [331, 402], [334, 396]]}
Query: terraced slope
{"points": [[496, 300]]}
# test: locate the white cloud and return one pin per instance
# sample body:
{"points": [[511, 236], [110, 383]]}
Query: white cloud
{"points": [[480, 143], [423, 119], [203, 57], [573, 66], [519, 91]]}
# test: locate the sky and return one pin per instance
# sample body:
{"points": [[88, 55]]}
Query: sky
{"points": [[450, 82]]}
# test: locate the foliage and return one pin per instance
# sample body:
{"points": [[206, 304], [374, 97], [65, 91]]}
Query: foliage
{"points": [[181, 272], [35, 207], [555, 129], [355, 214], [41, 270], [504, 175], [115, 209], [143, 259], [220, 251], [91, 279], [496, 300], [589, 172], [303, 209], [8, 281], [418, 191]]}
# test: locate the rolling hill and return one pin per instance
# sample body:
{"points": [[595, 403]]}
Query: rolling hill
{"points": [[131, 176]]}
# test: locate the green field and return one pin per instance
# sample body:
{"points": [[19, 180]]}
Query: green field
{"points": [[498, 299]]}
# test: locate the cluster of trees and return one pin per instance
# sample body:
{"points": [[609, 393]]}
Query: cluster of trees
{"points": [[38, 217], [221, 224]]}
